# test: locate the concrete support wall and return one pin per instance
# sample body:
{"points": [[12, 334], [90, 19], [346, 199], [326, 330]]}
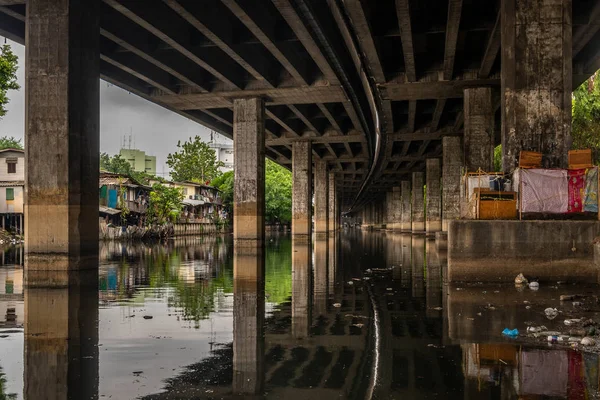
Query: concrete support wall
{"points": [[62, 140], [406, 213], [301, 189], [479, 129], [536, 80], [451, 172], [249, 155], [332, 224], [395, 209], [434, 197], [418, 203], [321, 197]]}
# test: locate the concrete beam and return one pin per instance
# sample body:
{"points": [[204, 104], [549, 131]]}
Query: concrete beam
{"points": [[432, 90]]}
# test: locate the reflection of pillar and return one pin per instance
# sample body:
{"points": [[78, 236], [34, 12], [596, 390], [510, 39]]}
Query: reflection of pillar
{"points": [[406, 215], [62, 133], [321, 197], [434, 193], [248, 321], [331, 264], [394, 254], [418, 267], [418, 203], [61, 335], [320, 276], [434, 280], [301, 286], [249, 193], [406, 243], [301, 189]]}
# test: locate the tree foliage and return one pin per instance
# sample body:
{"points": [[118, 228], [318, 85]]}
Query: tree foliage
{"points": [[278, 193], [195, 161], [118, 165], [9, 64], [164, 205], [586, 116], [10, 142], [225, 184]]}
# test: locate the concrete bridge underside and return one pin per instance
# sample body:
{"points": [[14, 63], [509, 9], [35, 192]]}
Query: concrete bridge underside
{"points": [[366, 91]]}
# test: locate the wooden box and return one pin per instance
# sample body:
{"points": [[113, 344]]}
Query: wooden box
{"points": [[530, 159], [579, 159], [495, 205]]}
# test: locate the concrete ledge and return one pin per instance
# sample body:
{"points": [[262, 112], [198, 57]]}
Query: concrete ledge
{"points": [[496, 251]]}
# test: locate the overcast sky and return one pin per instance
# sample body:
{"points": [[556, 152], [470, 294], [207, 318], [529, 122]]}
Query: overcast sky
{"points": [[155, 129]]}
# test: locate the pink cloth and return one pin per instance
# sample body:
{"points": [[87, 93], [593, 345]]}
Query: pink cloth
{"points": [[544, 190], [576, 189]]}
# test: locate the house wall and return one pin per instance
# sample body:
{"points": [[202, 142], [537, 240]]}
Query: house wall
{"points": [[20, 174], [11, 206]]}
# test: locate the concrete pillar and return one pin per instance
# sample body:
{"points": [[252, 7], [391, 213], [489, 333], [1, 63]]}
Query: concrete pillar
{"points": [[62, 140], [248, 324], [536, 80], [434, 194], [321, 197], [332, 224], [395, 209], [451, 175], [406, 214], [249, 156], [301, 286], [301, 189], [418, 203], [479, 129], [61, 334]]}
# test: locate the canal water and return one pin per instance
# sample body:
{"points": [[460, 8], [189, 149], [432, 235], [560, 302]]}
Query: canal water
{"points": [[356, 316]]}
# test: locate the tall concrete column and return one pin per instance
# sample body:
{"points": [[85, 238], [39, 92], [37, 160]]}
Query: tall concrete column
{"points": [[536, 80], [62, 140], [249, 155], [301, 189], [418, 203], [406, 217], [332, 225], [395, 209], [434, 200], [451, 180], [321, 197], [479, 129]]}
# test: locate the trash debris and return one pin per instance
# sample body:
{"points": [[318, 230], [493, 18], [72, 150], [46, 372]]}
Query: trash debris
{"points": [[578, 332], [527, 307], [337, 305], [532, 329], [534, 285], [573, 339], [589, 322], [568, 297], [551, 313], [148, 317], [576, 303], [588, 341], [572, 321], [510, 332], [358, 325], [520, 279], [437, 308], [350, 283]]}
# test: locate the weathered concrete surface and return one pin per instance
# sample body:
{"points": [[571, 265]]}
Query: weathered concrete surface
{"points": [[62, 134], [451, 173], [406, 215], [536, 80], [321, 197], [493, 251], [248, 329], [321, 274], [332, 223], [301, 188], [479, 129], [418, 202], [61, 334], [249, 155], [418, 266], [395, 209], [433, 223], [301, 286]]}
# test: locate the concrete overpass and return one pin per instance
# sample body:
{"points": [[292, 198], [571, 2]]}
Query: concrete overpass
{"points": [[371, 87]]}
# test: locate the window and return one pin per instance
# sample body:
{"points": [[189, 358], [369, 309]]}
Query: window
{"points": [[10, 194], [12, 167]]}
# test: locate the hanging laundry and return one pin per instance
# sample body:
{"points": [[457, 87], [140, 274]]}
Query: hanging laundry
{"points": [[576, 190], [590, 203], [544, 190]]}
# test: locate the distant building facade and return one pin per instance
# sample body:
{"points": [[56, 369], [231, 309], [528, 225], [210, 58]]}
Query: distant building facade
{"points": [[139, 161], [224, 153], [12, 187]]}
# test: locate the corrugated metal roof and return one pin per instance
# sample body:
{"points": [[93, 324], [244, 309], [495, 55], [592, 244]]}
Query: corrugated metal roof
{"points": [[108, 210], [12, 183], [192, 202]]}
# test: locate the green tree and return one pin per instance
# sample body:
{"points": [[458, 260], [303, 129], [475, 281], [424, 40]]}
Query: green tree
{"points": [[195, 161], [278, 193], [9, 64], [164, 205], [10, 142], [118, 165], [225, 184], [586, 116]]}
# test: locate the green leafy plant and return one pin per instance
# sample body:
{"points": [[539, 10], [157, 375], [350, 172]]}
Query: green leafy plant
{"points": [[164, 205], [195, 161], [10, 142], [9, 64]]}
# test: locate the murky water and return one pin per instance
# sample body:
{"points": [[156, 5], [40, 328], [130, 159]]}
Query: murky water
{"points": [[372, 318]]}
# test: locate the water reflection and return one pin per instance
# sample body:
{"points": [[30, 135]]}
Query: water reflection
{"points": [[354, 316]]}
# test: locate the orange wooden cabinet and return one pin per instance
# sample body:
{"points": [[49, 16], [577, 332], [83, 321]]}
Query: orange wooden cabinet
{"points": [[495, 205], [579, 159]]}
